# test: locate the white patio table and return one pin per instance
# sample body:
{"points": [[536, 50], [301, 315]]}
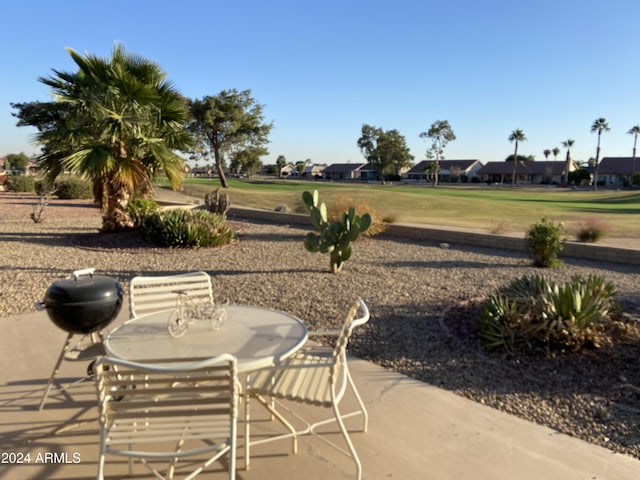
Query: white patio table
{"points": [[258, 337]]}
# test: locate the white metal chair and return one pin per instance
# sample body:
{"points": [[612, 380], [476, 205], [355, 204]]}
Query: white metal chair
{"points": [[315, 378], [148, 294], [168, 411]]}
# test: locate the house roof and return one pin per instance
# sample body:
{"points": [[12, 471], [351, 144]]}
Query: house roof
{"points": [[524, 168], [343, 167], [617, 165], [463, 165]]}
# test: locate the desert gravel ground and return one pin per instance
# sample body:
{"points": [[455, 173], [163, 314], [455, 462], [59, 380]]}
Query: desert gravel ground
{"points": [[423, 300]]}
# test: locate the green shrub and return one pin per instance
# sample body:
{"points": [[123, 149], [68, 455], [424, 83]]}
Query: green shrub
{"points": [[187, 228], [534, 312], [592, 230], [44, 187], [21, 183], [140, 209], [74, 188], [544, 242]]}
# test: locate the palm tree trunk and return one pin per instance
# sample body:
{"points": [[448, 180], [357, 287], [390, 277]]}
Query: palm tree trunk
{"points": [[515, 166], [595, 183], [567, 164], [633, 160], [114, 204]]}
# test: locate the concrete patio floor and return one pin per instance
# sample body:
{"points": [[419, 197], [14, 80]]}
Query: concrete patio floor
{"points": [[416, 431]]}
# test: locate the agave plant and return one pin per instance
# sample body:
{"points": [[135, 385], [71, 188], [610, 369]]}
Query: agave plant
{"points": [[535, 311]]}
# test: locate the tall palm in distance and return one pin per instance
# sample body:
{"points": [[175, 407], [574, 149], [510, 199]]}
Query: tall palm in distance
{"points": [[556, 152], [546, 153], [599, 125], [635, 130], [567, 144], [516, 136]]}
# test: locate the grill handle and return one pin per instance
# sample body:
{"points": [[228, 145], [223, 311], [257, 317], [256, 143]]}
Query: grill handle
{"points": [[85, 271]]}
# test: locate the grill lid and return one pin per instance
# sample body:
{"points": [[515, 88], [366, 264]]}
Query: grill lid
{"points": [[83, 288]]}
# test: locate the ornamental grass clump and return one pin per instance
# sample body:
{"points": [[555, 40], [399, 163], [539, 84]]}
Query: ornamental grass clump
{"points": [[544, 242], [342, 203], [534, 313], [592, 230]]}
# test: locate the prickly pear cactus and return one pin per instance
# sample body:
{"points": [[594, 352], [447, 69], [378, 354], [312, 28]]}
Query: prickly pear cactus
{"points": [[334, 237], [217, 202]]}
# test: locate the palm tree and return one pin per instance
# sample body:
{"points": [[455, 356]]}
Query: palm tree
{"points": [[546, 153], [567, 144], [635, 130], [122, 122], [556, 152], [516, 136], [599, 125]]}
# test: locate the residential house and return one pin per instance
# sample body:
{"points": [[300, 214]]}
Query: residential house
{"points": [[617, 171], [450, 170], [531, 173], [288, 170], [343, 171], [314, 171]]}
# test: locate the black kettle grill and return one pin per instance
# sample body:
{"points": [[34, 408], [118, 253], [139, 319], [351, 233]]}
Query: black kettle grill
{"points": [[82, 304]]}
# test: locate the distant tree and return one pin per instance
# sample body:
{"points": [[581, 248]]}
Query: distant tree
{"points": [[433, 170], [440, 133], [386, 150], [281, 162], [300, 166], [599, 125], [580, 176], [226, 123], [556, 152], [635, 130], [567, 144], [516, 136], [546, 153], [248, 160], [116, 121], [521, 158], [16, 161]]}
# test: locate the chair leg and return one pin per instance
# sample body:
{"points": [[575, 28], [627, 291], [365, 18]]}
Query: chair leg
{"points": [[54, 373], [345, 434], [270, 407], [363, 409], [247, 420], [101, 456]]}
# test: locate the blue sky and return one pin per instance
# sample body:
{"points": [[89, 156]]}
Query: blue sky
{"points": [[322, 69]]}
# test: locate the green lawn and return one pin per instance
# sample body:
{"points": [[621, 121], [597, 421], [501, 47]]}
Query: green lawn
{"points": [[498, 209]]}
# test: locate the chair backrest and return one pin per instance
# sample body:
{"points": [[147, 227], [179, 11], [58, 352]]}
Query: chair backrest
{"points": [[152, 294], [151, 403], [350, 322]]}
